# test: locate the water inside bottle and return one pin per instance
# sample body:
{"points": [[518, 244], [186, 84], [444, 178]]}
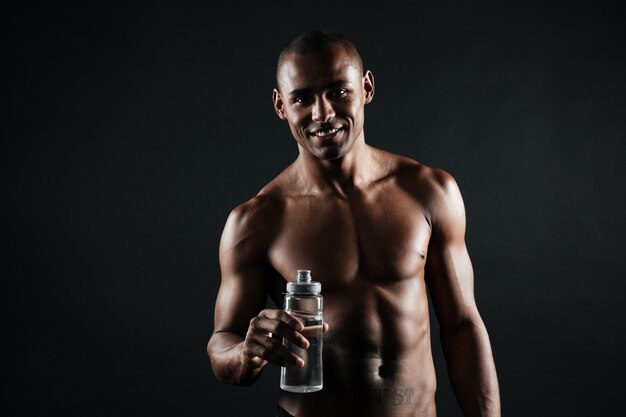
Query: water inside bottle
{"points": [[308, 378]]}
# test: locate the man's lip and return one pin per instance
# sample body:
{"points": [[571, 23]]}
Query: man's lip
{"points": [[314, 131], [329, 139]]}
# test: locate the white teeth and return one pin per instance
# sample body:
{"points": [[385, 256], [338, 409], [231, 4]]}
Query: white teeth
{"points": [[326, 132]]}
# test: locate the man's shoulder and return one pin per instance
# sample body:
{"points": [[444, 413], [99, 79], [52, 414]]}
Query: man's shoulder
{"points": [[256, 211], [251, 224], [265, 208], [434, 188], [417, 177]]}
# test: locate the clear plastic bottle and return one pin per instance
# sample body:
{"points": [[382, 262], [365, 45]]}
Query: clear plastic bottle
{"points": [[304, 301]]}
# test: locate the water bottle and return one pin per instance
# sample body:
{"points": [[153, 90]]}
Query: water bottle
{"points": [[304, 301]]}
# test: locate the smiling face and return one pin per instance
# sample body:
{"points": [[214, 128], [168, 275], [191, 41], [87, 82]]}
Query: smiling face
{"points": [[322, 96]]}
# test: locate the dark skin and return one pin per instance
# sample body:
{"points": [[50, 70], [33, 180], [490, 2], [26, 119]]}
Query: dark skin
{"points": [[377, 230]]}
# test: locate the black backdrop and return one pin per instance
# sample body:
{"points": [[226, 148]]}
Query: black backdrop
{"points": [[132, 130]]}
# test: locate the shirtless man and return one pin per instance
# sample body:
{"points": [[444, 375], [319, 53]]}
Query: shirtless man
{"points": [[377, 230]]}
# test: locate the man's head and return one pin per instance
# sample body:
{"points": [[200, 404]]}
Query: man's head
{"points": [[322, 90], [315, 41]]}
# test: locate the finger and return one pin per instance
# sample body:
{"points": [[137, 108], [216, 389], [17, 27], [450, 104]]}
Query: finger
{"points": [[272, 350], [277, 329], [250, 360], [283, 316], [325, 327]]}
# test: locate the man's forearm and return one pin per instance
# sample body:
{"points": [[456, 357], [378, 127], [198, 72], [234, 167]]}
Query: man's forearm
{"points": [[224, 350], [471, 368]]}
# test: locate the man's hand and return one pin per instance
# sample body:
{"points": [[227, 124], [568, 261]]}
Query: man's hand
{"points": [[263, 342]]}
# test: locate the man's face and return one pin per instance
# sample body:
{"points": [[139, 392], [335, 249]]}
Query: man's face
{"points": [[322, 96]]}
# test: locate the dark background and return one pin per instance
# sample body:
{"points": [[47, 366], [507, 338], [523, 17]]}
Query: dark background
{"points": [[132, 130]]}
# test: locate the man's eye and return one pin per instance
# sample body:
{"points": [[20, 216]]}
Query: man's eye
{"points": [[340, 92], [301, 99]]}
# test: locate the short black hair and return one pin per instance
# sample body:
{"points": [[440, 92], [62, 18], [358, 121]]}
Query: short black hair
{"points": [[319, 40]]}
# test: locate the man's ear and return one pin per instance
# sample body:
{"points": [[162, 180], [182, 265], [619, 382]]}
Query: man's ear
{"points": [[279, 106], [368, 86]]}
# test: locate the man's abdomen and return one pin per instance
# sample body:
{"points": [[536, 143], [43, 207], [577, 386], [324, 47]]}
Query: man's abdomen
{"points": [[377, 356]]}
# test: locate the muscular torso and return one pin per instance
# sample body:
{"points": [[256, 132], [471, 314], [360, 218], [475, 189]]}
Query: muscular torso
{"points": [[368, 248]]}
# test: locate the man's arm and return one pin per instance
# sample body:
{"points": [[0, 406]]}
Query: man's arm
{"points": [[242, 342], [450, 279]]}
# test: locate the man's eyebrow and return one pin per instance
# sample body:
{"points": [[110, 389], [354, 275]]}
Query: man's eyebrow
{"points": [[334, 84], [300, 91]]}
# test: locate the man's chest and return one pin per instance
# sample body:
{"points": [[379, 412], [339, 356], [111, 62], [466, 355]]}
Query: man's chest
{"points": [[382, 238]]}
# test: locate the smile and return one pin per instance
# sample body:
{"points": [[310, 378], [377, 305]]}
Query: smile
{"points": [[326, 132]]}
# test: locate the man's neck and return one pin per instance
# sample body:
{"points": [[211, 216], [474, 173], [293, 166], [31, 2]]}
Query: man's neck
{"points": [[341, 175]]}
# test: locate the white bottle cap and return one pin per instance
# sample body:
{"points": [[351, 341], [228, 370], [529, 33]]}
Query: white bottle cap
{"points": [[304, 284]]}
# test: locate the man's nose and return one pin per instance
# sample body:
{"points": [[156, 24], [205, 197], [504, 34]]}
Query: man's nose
{"points": [[322, 111]]}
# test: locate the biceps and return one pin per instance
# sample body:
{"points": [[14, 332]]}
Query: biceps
{"points": [[451, 283], [240, 298]]}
